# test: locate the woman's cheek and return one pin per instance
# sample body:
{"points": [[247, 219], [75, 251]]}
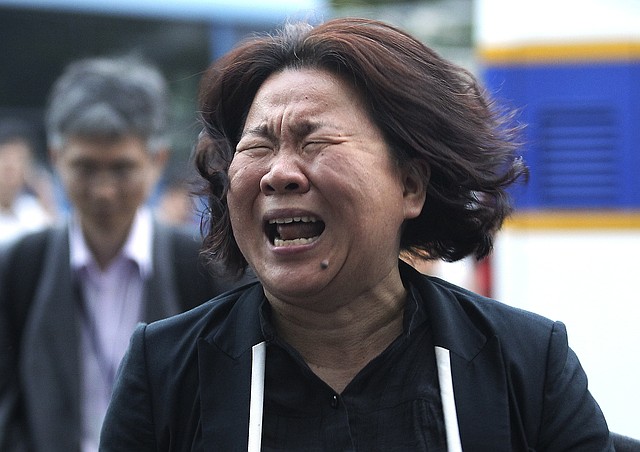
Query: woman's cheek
{"points": [[244, 188], [238, 178]]}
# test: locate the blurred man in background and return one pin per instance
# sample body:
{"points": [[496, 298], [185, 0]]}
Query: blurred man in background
{"points": [[71, 296]]}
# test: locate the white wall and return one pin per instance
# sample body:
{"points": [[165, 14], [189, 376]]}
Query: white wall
{"points": [[590, 280], [510, 22]]}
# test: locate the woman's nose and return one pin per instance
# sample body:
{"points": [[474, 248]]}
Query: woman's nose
{"points": [[285, 175]]}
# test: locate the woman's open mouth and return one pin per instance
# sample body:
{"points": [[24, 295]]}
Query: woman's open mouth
{"points": [[292, 231]]}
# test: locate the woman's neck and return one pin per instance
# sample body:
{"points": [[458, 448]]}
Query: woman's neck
{"points": [[338, 344]]}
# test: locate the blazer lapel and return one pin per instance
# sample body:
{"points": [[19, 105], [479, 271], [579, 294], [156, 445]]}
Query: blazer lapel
{"points": [[225, 366], [50, 366], [482, 400], [160, 293], [225, 399], [477, 374]]}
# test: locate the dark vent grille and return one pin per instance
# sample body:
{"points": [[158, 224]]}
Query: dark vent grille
{"points": [[577, 164]]}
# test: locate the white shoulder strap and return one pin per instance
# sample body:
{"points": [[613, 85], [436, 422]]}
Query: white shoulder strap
{"points": [[256, 404], [445, 379]]}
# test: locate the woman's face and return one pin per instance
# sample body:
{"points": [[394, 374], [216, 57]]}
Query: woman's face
{"points": [[316, 201]]}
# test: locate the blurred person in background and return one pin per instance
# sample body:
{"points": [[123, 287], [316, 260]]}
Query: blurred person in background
{"points": [[71, 296], [25, 193], [332, 150]]}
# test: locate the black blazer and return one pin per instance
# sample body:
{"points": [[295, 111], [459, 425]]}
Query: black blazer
{"points": [[39, 330], [516, 385]]}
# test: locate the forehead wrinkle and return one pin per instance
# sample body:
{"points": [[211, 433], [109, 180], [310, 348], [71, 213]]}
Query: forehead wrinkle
{"points": [[300, 121]]}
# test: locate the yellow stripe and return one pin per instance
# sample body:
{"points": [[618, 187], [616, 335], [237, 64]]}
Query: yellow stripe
{"points": [[561, 53], [575, 220]]}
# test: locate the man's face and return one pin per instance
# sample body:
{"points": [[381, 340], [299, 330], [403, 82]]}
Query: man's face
{"points": [[106, 181]]}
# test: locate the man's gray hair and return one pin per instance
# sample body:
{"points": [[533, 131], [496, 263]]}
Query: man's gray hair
{"points": [[108, 98]]}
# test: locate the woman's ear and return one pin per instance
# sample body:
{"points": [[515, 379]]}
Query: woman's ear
{"points": [[415, 177]]}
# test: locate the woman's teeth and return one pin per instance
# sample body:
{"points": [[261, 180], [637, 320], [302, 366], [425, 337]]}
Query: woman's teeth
{"points": [[294, 231], [293, 219], [294, 242]]}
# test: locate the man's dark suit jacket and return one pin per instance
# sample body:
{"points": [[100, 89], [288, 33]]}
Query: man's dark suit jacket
{"points": [[39, 330], [516, 385]]}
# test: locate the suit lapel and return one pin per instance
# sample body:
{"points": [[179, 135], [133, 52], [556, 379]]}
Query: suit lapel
{"points": [[224, 362], [477, 373], [482, 399], [160, 299], [50, 366], [225, 400]]}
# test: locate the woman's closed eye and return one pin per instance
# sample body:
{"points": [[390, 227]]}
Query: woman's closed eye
{"points": [[254, 150]]}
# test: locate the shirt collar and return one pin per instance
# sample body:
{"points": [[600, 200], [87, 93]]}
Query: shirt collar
{"points": [[138, 246]]}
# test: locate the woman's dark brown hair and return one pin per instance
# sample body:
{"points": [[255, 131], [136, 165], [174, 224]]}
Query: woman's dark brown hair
{"points": [[433, 114]]}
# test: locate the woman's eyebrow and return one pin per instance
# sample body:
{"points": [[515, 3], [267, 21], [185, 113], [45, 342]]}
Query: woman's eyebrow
{"points": [[298, 129], [262, 130], [305, 128]]}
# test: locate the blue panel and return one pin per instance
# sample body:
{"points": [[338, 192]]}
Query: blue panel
{"points": [[582, 134], [223, 38], [631, 159]]}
